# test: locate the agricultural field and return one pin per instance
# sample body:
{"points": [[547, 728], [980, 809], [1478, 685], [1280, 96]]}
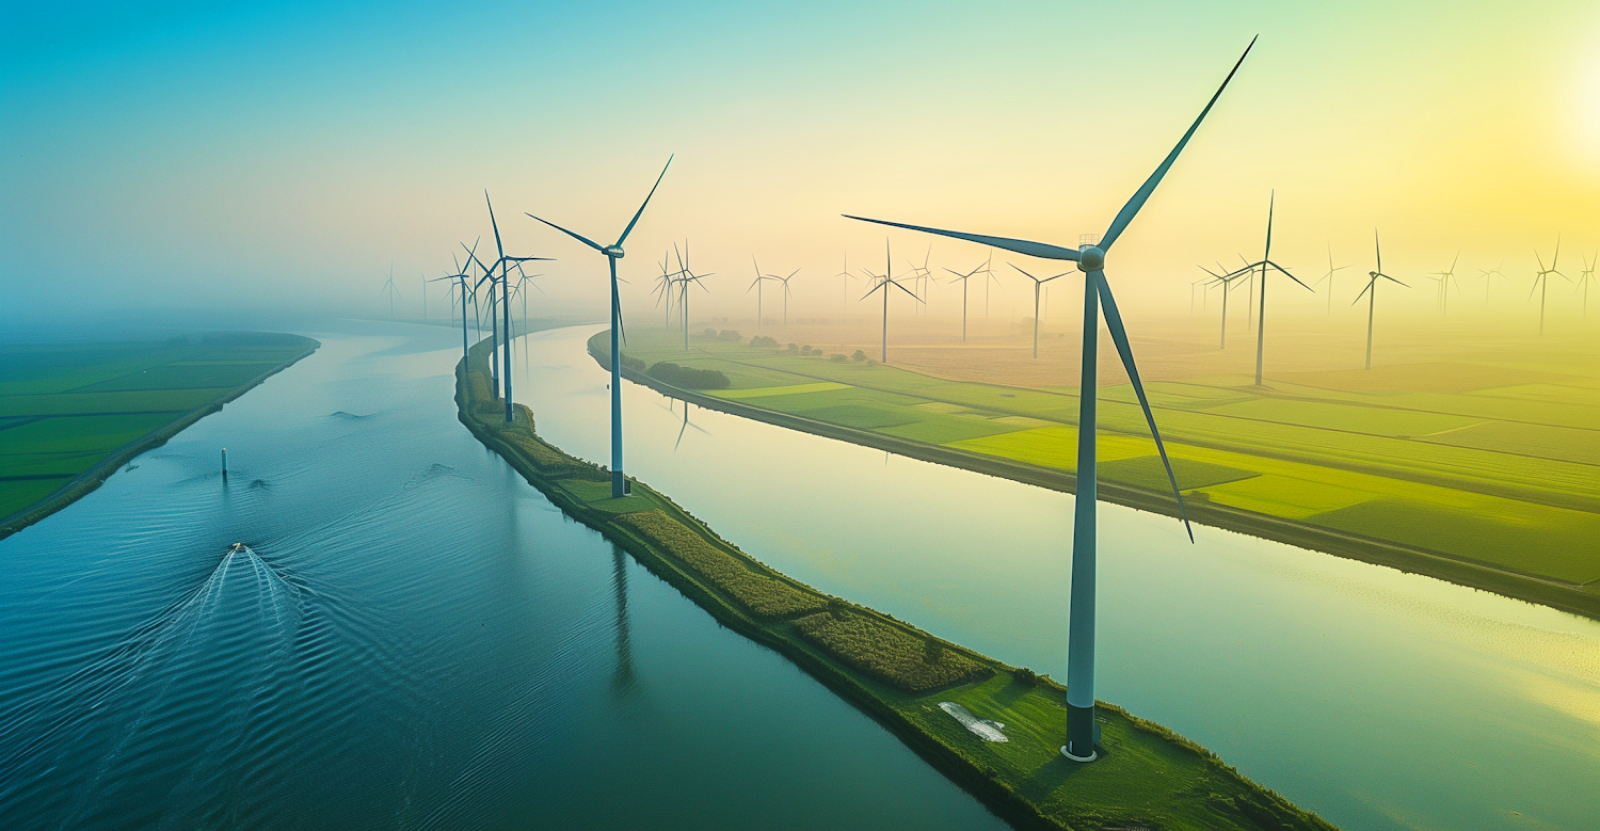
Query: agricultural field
{"points": [[67, 408], [1492, 464]]}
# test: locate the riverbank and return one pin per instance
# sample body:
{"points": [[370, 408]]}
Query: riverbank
{"points": [[895, 672], [111, 397], [1026, 435]]}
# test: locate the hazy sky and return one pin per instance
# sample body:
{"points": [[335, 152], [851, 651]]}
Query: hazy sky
{"points": [[188, 155]]}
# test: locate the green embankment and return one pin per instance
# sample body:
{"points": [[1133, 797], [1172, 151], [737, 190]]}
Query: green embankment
{"points": [[71, 414], [898, 674], [1484, 476]]}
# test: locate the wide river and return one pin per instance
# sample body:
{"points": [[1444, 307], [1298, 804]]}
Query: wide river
{"points": [[414, 639], [1379, 699]]}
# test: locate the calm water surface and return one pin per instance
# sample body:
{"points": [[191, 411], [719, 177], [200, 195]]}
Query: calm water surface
{"points": [[414, 639], [1379, 699]]}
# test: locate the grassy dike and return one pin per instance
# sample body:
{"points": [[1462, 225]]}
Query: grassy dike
{"points": [[1577, 599], [85, 483], [1149, 777]]}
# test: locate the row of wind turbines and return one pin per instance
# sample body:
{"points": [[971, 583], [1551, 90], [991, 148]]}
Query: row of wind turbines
{"points": [[1089, 259]]}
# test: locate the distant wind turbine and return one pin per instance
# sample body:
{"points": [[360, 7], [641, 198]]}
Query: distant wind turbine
{"points": [[1037, 285], [1488, 277], [503, 265], [686, 276], [845, 283], [1445, 278], [785, 282], [1090, 258], [965, 278], [1541, 281], [1225, 279], [461, 279], [614, 252], [390, 289], [1328, 278], [1587, 279], [885, 280], [1371, 291], [759, 284], [1266, 264]]}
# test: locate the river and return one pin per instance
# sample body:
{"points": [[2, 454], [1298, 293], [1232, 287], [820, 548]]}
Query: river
{"points": [[1381, 700], [413, 638]]}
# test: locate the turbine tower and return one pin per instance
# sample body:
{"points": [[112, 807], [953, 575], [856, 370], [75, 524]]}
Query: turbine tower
{"points": [[885, 280], [1225, 279], [686, 276], [785, 282], [461, 282], [1371, 291], [1037, 285], [614, 252], [1091, 259], [1541, 281], [1445, 278], [1488, 277]]}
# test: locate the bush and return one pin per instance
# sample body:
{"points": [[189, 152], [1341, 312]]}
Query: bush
{"points": [[859, 356], [688, 377], [764, 340], [763, 595], [1025, 677], [730, 334], [710, 333], [838, 358], [805, 350], [792, 348], [887, 652]]}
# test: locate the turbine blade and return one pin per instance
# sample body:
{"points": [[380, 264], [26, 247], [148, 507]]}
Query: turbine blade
{"points": [[1119, 336], [1130, 210], [628, 230], [1019, 246], [906, 290], [1364, 291], [1285, 272], [499, 249], [575, 235], [1393, 280], [871, 290]]}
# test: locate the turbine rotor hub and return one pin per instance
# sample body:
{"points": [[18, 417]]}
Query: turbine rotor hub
{"points": [[1091, 258], [612, 251]]}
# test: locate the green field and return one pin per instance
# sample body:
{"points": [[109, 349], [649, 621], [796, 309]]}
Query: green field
{"points": [[1147, 776], [67, 408], [1493, 465]]}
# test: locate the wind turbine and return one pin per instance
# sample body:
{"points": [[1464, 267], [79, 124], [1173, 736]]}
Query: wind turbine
{"points": [[1587, 279], [1265, 265], [1445, 278], [461, 277], [1541, 281], [1037, 285], [1224, 279], [525, 280], [665, 285], [845, 283], [1371, 291], [1488, 276], [785, 282], [390, 289], [922, 275], [885, 280], [614, 252], [758, 285], [1097, 291], [686, 276], [503, 264], [1328, 278], [964, 278]]}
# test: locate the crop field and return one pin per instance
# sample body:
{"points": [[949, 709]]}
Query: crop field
{"points": [[1491, 463], [64, 408]]}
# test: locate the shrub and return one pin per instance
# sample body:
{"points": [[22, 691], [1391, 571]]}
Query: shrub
{"points": [[838, 358], [689, 377], [1025, 677], [710, 333], [764, 340], [887, 652], [805, 350], [761, 594], [859, 356], [730, 334], [792, 348]]}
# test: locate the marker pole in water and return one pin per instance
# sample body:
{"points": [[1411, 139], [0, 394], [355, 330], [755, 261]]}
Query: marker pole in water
{"points": [[224, 463]]}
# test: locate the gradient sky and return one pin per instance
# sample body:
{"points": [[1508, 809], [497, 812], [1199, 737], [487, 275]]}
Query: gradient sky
{"points": [[262, 154]]}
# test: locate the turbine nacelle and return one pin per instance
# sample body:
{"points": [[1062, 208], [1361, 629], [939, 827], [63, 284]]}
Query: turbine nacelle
{"points": [[612, 251], [1091, 258]]}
